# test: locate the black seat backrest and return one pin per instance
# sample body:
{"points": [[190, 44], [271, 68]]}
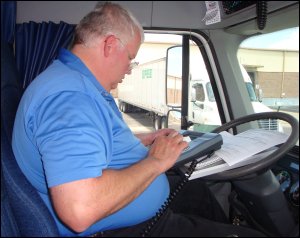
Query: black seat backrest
{"points": [[23, 213], [11, 88], [9, 227]]}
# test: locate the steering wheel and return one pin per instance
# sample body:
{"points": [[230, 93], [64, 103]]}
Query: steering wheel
{"points": [[269, 160]]}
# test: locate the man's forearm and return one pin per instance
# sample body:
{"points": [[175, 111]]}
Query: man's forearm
{"points": [[81, 203]]}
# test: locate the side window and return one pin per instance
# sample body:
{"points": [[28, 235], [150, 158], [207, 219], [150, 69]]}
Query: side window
{"points": [[150, 89], [203, 111], [200, 96]]}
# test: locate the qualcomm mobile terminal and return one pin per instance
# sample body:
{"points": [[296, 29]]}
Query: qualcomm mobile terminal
{"points": [[201, 144]]}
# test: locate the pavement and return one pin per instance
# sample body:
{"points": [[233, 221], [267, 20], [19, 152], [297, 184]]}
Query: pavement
{"points": [[138, 122]]}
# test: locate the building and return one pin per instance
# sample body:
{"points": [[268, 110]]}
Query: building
{"points": [[265, 66]]}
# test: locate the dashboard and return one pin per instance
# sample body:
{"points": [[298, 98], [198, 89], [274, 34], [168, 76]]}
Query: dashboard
{"points": [[287, 173]]}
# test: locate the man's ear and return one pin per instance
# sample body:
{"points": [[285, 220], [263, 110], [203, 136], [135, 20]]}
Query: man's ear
{"points": [[109, 44]]}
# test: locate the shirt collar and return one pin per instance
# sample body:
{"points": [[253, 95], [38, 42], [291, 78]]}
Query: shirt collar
{"points": [[75, 63]]}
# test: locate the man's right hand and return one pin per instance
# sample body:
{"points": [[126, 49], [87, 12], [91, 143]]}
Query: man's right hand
{"points": [[167, 148]]}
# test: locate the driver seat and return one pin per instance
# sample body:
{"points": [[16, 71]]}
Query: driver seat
{"points": [[23, 213]]}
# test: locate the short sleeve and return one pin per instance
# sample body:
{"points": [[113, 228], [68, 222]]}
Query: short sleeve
{"points": [[72, 137]]}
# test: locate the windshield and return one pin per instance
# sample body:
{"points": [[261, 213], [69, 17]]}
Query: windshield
{"points": [[210, 93], [273, 63], [249, 87]]}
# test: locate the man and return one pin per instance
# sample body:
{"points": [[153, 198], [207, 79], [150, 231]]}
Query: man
{"points": [[71, 142]]}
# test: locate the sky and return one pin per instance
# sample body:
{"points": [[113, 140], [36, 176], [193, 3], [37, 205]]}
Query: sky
{"points": [[286, 39]]}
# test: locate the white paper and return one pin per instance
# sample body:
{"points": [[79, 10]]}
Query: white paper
{"points": [[220, 167], [241, 146]]}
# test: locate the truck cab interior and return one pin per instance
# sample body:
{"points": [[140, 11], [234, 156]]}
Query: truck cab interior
{"points": [[262, 195]]}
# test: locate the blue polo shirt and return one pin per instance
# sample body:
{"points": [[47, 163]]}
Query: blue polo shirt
{"points": [[68, 128]]}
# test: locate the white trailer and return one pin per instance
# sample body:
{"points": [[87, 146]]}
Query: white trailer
{"points": [[145, 88]]}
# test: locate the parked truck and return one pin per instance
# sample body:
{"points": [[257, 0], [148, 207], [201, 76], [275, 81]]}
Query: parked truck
{"points": [[203, 111], [147, 89]]}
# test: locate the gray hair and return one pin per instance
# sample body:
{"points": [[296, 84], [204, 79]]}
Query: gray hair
{"points": [[107, 19]]}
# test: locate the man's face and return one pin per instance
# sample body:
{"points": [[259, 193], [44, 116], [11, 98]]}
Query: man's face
{"points": [[126, 54]]}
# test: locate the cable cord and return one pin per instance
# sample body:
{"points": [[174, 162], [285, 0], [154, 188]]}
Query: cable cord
{"points": [[262, 10], [146, 231]]}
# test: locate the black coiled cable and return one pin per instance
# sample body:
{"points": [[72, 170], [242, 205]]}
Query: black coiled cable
{"points": [[146, 231], [261, 11]]}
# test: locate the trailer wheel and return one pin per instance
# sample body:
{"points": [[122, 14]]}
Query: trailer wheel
{"points": [[164, 122], [157, 122], [125, 107], [122, 107]]}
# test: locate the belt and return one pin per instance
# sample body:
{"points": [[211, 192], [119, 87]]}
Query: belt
{"points": [[98, 234], [122, 232]]}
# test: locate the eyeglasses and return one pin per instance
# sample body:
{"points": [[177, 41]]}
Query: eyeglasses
{"points": [[132, 64]]}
